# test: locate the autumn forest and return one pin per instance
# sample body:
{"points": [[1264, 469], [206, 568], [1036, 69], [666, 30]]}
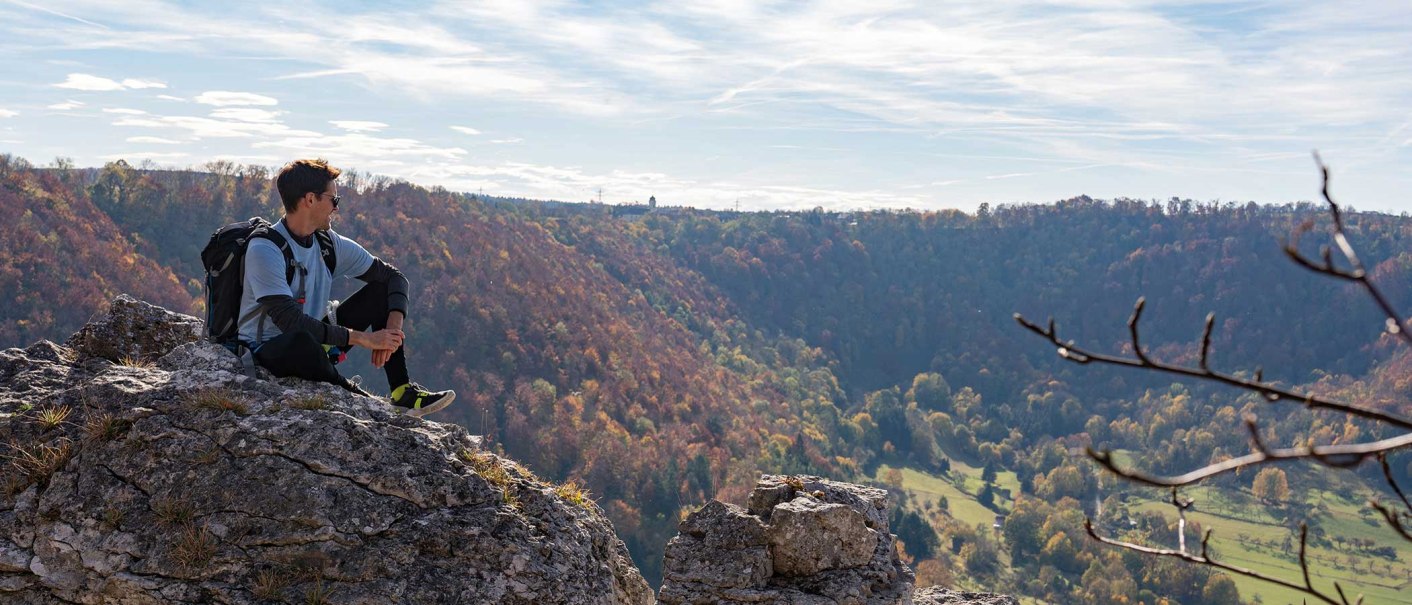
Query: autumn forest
{"points": [[666, 357]]}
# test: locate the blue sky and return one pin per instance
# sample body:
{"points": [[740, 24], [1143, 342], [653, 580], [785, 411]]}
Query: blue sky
{"points": [[775, 104]]}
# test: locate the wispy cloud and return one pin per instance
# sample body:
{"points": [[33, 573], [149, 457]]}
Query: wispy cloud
{"points": [[51, 11], [124, 111], [246, 114], [153, 140], [66, 105], [363, 149], [624, 186], [144, 155], [91, 83], [224, 98], [8, 113], [1076, 92], [138, 84], [358, 125]]}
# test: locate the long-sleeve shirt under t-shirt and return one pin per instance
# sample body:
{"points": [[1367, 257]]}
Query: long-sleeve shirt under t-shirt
{"points": [[265, 277]]}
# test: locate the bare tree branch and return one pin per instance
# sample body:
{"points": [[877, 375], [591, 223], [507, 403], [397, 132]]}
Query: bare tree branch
{"points": [[1392, 482], [1182, 507], [1070, 351], [1394, 520], [1203, 559], [1356, 272], [1335, 456]]}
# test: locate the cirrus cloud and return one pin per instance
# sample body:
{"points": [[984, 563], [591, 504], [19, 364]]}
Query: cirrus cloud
{"points": [[92, 83], [225, 98], [358, 125], [136, 84], [154, 140]]}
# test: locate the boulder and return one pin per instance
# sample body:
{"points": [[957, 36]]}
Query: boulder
{"points": [[809, 537], [185, 481], [827, 543], [134, 330], [722, 546], [937, 595]]}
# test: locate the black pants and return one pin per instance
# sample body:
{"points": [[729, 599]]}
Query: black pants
{"points": [[298, 354]]}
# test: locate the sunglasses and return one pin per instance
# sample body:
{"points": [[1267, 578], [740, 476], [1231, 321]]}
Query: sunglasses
{"points": [[336, 199]]}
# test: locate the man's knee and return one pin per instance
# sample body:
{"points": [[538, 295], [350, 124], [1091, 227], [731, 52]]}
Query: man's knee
{"points": [[296, 354]]}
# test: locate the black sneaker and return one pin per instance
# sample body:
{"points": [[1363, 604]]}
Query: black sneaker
{"points": [[417, 401]]}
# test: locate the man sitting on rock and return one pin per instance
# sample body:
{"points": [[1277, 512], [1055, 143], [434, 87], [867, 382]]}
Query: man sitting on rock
{"points": [[291, 326]]}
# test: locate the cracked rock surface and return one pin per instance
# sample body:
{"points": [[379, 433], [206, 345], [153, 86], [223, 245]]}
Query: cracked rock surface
{"points": [[942, 596], [184, 481], [818, 542], [800, 540]]}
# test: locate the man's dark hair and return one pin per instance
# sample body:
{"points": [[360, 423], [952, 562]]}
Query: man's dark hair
{"points": [[303, 176]]}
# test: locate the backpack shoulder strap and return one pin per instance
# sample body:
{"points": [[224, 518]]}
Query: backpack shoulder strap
{"points": [[326, 248], [283, 245]]}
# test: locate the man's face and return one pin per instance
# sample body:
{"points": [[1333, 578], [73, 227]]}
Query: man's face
{"points": [[325, 205]]}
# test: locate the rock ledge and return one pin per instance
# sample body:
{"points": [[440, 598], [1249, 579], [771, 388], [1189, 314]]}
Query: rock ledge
{"points": [[139, 466]]}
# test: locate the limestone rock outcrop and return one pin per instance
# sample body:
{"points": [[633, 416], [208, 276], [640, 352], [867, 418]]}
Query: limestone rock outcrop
{"points": [[139, 465], [942, 596], [800, 540], [134, 330]]}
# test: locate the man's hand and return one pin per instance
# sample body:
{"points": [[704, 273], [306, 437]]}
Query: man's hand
{"points": [[387, 338], [380, 356], [394, 322]]}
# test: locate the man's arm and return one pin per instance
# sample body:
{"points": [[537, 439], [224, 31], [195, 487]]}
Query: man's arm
{"points": [[265, 280], [383, 273], [288, 315]]}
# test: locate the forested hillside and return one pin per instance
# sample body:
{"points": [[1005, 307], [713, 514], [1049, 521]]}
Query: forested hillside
{"points": [[665, 358]]}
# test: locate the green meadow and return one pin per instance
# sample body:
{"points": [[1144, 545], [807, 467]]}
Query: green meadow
{"points": [[1246, 534]]}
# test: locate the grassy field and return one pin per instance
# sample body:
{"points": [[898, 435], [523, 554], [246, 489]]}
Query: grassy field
{"points": [[1247, 533], [963, 505]]}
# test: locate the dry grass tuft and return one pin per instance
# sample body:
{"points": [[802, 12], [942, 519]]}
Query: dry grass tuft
{"points": [[53, 416], [318, 594], [220, 400], [269, 584], [112, 516], [309, 565], [33, 464], [309, 402], [573, 493], [194, 547], [492, 469], [105, 427], [175, 512], [488, 467], [136, 362], [511, 499], [13, 483], [208, 456]]}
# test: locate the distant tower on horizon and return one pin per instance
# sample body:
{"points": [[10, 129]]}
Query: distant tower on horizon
{"points": [[652, 202]]}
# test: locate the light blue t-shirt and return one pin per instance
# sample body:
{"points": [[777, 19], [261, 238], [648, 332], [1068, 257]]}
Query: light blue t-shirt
{"points": [[264, 276]]}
